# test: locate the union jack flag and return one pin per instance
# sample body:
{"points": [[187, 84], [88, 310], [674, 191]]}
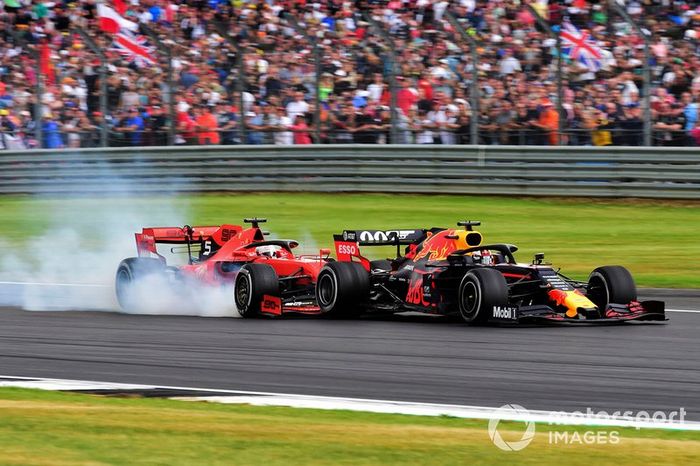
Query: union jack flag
{"points": [[578, 45], [134, 48]]}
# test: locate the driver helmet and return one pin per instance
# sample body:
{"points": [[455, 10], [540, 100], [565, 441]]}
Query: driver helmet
{"points": [[267, 250], [483, 256]]}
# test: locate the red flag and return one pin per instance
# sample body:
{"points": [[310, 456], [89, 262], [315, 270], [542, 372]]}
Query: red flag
{"points": [[113, 22], [45, 65], [170, 11], [120, 6]]}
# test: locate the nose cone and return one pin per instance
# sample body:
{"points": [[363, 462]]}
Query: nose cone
{"points": [[574, 302]]}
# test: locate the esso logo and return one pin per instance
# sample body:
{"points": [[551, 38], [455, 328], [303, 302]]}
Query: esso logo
{"points": [[350, 249]]}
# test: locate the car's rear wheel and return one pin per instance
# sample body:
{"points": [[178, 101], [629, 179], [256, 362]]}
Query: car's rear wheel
{"points": [[611, 284], [130, 272], [342, 289], [479, 291], [252, 283]]}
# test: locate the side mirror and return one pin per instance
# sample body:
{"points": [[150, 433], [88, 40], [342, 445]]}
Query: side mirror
{"points": [[324, 252], [539, 257]]}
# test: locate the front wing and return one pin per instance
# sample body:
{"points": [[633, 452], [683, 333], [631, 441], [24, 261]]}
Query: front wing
{"points": [[615, 313], [276, 306]]}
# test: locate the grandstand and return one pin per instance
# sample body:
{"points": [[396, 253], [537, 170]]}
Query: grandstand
{"points": [[157, 72]]}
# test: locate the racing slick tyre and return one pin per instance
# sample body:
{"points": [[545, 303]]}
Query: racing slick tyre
{"points": [[342, 289], [253, 282], [611, 284], [479, 291], [131, 271]]}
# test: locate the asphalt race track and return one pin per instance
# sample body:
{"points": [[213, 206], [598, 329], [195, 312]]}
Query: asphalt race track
{"points": [[614, 368]]}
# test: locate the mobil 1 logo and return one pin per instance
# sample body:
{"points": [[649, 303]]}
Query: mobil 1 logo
{"points": [[504, 313]]}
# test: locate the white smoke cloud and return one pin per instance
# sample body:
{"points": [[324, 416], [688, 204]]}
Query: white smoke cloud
{"points": [[72, 264], [308, 245], [157, 294]]}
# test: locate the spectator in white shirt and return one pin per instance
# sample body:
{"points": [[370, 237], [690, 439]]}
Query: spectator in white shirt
{"points": [[281, 121], [509, 64], [297, 107], [425, 136], [376, 89]]}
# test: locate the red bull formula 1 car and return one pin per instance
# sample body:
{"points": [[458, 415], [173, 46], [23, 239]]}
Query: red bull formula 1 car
{"points": [[450, 272], [267, 277]]}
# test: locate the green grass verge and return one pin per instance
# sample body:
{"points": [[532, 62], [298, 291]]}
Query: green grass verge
{"points": [[51, 428], [657, 240]]}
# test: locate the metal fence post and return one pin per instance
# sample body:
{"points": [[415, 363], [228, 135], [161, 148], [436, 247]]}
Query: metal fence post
{"points": [[38, 86], [474, 90], [167, 51], [646, 72], [560, 91], [389, 45], [240, 64], [102, 73], [38, 110], [317, 70]]}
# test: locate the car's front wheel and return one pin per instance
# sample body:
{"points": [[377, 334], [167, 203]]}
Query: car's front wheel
{"points": [[252, 283], [479, 291], [611, 284]]}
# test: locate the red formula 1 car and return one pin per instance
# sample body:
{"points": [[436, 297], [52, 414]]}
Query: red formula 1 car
{"points": [[267, 277]]}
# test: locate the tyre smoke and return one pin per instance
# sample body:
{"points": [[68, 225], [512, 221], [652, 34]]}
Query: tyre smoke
{"points": [[71, 264]]}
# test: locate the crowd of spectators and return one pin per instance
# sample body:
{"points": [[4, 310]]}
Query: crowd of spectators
{"points": [[516, 69]]}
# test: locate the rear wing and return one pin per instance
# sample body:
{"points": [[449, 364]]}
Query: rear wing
{"points": [[148, 238], [347, 244], [383, 237]]}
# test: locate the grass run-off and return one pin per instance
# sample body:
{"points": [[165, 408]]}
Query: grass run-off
{"points": [[657, 240], [51, 428]]}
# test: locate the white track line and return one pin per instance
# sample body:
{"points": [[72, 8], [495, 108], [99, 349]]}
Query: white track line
{"points": [[88, 285], [351, 404], [691, 311]]}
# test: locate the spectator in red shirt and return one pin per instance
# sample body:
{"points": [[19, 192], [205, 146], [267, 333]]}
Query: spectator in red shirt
{"points": [[695, 133], [186, 126], [301, 131], [207, 127], [425, 86], [405, 97]]}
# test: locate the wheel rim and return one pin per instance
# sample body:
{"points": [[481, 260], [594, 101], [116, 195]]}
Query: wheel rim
{"points": [[598, 291], [326, 290], [469, 299], [243, 292]]}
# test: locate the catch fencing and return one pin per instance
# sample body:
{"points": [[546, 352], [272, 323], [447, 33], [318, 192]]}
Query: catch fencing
{"points": [[644, 172]]}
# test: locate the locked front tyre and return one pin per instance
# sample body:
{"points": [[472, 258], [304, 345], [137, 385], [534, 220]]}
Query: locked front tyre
{"points": [[342, 289]]}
